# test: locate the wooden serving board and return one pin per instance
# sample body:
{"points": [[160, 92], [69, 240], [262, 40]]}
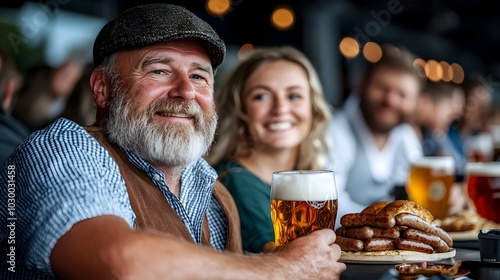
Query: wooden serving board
{"points": [[393, 256]]}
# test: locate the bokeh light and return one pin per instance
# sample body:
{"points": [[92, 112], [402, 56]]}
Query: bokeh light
{"points": [[434, 70], [349, 47], [218, 8], [447, 71], [421, 66], [283, 18], [245, 50], [372, 52], [458, 73]]}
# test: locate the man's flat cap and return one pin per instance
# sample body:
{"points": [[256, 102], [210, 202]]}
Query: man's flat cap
{"points": [[152, 24]]}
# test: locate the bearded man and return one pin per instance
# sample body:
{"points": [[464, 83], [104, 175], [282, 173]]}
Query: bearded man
{"points": [[373, 142], [130, 197]]}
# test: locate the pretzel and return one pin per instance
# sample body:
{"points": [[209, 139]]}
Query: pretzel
{"points": [[407, 206]]}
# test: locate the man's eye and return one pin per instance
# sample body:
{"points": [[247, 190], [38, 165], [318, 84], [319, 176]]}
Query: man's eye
{"points": [[159, 72]]}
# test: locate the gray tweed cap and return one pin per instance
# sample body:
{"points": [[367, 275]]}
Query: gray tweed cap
{"points": [[152, 24]]}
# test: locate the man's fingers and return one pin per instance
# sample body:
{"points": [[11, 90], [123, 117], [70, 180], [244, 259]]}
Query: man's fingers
{"points": [[328, 235], [269, 247]]}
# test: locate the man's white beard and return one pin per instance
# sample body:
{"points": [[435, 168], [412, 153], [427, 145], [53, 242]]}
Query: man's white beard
{"points": [[170, 144]]}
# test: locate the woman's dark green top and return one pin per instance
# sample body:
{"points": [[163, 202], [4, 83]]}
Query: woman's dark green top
{"points": [[252, 197]]}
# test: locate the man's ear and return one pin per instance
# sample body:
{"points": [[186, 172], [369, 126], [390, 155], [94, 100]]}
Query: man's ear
{"points": [[99, 83]]}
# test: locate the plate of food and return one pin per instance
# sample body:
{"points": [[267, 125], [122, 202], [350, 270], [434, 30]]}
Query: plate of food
{"points": [[393, 257], [412, 271], [392, 232], [465, 226]]}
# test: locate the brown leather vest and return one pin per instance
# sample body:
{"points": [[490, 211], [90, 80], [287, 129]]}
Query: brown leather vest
{"points": [[152, 210]]}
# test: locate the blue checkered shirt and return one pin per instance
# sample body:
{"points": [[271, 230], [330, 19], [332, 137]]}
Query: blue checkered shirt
{"points": [[63, 176]]}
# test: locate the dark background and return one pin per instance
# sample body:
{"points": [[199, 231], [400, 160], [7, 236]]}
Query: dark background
{"points": [[465, 32]]}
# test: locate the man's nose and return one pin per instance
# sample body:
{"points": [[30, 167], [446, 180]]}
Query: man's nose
{"points": [[393, 98], [182, 87]]}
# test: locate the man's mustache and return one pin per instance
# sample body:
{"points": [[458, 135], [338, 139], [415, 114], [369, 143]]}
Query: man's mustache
{"points": [[177, 107]]}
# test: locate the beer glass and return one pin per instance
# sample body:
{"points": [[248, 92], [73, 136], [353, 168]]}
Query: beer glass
{"points": [[495, 134], [483, 186], [429, 183], [481, 147], [302, 201]]}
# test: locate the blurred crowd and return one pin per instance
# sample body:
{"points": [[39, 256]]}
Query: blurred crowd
{"points": [[430, 118], [34, 98], [459, 120]]}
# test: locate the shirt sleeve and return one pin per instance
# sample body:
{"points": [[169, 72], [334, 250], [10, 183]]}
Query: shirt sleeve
{"points": [[341, 160], [252, 198], [62, 179], [413, 150]]}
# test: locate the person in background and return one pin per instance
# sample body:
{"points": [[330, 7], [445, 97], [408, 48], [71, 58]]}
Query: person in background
{"points": [[12, 132], [131, 197], [437, 108], [473, 124], [372, 140], [44, 93], [458, 102], [273, 116], [435, 112], [80, 106]]}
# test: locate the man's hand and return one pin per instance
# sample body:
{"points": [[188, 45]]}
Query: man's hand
{"points": [[314, 256]]}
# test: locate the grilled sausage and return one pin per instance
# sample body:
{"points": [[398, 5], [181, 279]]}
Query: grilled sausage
{"points": [[410, 220], [358, 232], [392, 232], [413, 245], [340, 231], [421, 236], [379, 244], [367, 219], [349, 244], [443, 247]]}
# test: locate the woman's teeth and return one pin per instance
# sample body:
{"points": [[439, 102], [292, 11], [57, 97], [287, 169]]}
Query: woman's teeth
{"points": [[280, 126]]}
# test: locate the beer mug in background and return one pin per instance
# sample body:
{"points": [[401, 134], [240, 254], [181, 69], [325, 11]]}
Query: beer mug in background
{"points": [[483, 186], [495, 134], [302, 201], [480, 147], [429, 183]]}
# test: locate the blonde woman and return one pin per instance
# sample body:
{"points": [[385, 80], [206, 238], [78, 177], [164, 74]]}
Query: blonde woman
{"points": [[272, 116]]}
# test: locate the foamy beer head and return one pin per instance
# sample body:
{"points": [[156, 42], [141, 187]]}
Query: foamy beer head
{"points": [[429, 183], [304, 185], [483, 186], [483, 169], [441, 164], [302, 201]]}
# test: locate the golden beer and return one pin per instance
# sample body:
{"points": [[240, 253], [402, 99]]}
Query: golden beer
{"points": [[429, 184], [302, 202], [483, 186]]}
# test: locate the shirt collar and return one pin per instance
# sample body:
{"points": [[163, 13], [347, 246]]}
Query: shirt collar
{"points": [[380, 161]]}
